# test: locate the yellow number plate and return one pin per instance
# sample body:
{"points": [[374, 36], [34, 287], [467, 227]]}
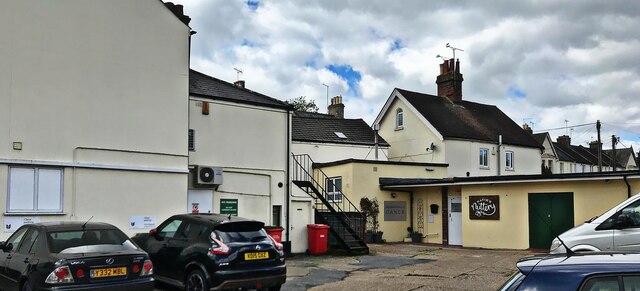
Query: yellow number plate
{"points": [[108, 272], [256, 256]]}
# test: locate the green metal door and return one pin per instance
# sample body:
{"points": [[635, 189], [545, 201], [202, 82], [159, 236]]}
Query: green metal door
{"points": [[550, 214]]}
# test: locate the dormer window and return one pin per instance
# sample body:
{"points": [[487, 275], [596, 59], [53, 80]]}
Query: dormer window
{"points": [[399, 119]]}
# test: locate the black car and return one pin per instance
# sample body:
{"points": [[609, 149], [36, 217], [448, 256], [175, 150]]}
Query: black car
{"points": [[214, 252], [73, 256]]}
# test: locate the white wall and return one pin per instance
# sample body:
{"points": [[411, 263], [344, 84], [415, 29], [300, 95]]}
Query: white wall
{"points": [[250, 144], [326, 152], [97, 84], [463, 157]]}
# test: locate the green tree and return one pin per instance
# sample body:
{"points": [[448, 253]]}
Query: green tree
{"points": [[302, 104]]}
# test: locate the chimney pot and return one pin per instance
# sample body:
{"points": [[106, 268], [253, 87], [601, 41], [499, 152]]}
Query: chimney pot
{"points": [[336, 108], [239, 84], [527, 128]]}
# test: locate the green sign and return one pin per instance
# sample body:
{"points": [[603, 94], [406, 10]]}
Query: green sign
{"points": [[229, 206]]}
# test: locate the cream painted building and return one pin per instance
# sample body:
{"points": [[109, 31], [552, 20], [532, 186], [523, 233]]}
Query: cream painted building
{"points": [[244, 137], [474, 139], [93, 112], [564, 200]]}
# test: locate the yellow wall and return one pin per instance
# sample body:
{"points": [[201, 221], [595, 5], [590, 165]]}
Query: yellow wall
{"points": [[431, 231], [362, 180], [409, 143], [590, 198]]}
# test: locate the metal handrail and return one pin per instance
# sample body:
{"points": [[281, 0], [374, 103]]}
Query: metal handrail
{"points": [[305, 172]]}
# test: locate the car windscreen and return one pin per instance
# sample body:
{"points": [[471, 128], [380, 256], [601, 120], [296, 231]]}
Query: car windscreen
{"points": [[88, 241]]}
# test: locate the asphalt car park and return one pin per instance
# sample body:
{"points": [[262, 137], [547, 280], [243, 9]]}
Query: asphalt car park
{"points": [[402, 266]]}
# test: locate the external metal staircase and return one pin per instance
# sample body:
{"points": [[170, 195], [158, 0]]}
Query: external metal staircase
{"points": [[346, 222]]}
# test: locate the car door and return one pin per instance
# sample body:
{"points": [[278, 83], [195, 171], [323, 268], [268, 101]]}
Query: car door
{"points": [[158, 247], [627, 238], [7, 254], [23, 260], [184, 246]]}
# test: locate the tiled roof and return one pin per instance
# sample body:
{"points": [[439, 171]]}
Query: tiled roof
{"points": [[205, 86], [469, 120], [622, 155], [317, 127], [582, 155], [539, 137]]}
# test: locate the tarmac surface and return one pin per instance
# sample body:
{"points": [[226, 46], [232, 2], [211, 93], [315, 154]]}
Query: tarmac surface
{"points": [[403, 266]]}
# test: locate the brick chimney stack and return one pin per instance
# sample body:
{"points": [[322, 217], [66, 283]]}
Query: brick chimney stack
{"points": [[450, 80], [594, 145], [564, 140], [527, 128], [336, 108]]}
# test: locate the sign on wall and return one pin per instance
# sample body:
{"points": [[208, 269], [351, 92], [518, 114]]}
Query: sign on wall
{"points": [[229, 207], [484, 207], [11, 224], [140, 221], [395, 211]]}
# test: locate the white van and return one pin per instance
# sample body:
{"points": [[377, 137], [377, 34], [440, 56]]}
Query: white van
{"points": [[616, 230]]}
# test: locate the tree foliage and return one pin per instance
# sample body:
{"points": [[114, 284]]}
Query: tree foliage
{"points": [[302, 104]]}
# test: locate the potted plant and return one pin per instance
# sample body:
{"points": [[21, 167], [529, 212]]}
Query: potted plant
{"points": [[370, 209], [416, 236]]}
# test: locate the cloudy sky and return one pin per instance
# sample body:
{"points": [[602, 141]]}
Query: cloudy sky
{"points": [[548, 63]]}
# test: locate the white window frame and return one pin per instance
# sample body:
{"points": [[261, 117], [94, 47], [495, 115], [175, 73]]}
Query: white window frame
{"points": [[36, 190], [335, 196], [484, 165], [506, 160], [561, 167], [399, 119]]}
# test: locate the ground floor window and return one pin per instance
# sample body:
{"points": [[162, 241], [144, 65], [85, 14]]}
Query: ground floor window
{"points": [[33, 189], [334, 189]]}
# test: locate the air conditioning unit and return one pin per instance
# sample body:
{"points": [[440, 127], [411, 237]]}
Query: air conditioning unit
{"points": [[211, 176]]}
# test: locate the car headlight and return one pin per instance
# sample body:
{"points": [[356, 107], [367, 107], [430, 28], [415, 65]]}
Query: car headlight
{"points": [[555, 244]]}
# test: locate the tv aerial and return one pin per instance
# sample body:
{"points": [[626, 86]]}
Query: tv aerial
{"points": [[238, 73]]}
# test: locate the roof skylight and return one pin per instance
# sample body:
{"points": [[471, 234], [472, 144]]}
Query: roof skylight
{"points": [[340, 134]]}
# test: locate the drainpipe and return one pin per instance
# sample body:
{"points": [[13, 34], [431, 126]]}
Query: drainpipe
{"points": [[411, 209], [498, 152], [288, 179], [628, 186], [376, 128]]}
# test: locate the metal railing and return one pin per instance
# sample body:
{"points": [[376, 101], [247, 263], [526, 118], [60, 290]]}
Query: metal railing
{"points": [[304, 170]]}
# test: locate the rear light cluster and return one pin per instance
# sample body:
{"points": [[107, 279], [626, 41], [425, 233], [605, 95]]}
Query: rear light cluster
{"points": [[276, 244], [219, 248], [147, 268], [60, 275]]}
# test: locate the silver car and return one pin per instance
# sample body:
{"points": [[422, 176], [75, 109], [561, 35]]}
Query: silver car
{"points": [[618, 229]]}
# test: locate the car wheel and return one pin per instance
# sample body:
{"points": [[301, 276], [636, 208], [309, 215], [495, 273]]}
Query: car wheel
{"points": [[196, 281]]}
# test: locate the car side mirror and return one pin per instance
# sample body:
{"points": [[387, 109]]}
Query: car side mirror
{"points": [[6, 247], [622, 221]]}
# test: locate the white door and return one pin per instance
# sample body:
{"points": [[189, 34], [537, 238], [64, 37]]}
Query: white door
{"points": [[200, 201], [300, 217], [455, 220]]}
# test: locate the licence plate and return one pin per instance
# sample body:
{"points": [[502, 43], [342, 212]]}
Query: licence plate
{"points": [[256, 256], [108, 272]]}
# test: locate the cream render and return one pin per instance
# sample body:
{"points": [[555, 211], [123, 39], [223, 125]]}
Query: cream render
{"points": [[102, 95], [511, 231], [360, 179], [329, 152]]}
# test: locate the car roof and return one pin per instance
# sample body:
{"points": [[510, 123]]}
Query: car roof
{"points": [[214, 218], [71, 225], [587, 261]]}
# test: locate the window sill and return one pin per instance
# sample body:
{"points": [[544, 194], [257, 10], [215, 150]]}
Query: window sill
{"points": [[484, 168], [399, 128], [510, 170], [34, 214]]}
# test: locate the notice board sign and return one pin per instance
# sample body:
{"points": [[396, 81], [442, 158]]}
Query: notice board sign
{"points": [[395, 211], [229, 207], [484, 207]]}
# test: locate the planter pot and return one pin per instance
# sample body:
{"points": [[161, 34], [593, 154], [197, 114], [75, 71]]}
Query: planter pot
{"points": [[377, 238], [368, 237], [416, 237]]}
